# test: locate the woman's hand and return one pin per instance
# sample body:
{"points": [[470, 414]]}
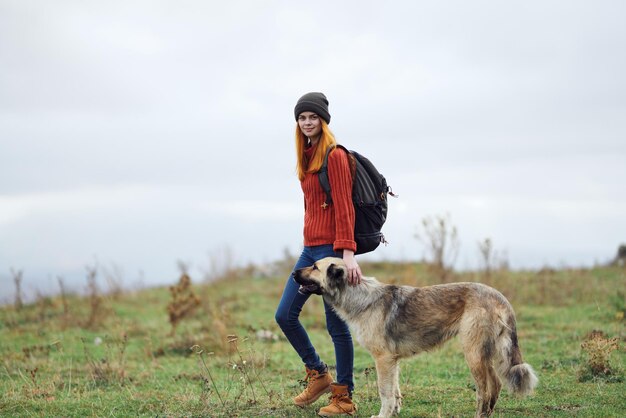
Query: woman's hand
{"points": [[354, 271]]}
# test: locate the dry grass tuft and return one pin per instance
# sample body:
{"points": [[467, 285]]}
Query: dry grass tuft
{"points": [[598, 348], [110, 368], [184, 301]]}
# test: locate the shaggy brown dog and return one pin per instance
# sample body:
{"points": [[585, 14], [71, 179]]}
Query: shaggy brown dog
{"points": [[393, 322]]}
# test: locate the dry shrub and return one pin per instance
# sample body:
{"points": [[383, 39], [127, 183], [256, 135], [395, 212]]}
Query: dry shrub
{"points": [[184, 301], [66, 306], [17, 281], [441, 240], [491, 259], [96, 308], [114, 278], [598, 348]]}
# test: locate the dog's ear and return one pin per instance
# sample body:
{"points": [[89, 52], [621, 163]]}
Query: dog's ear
{"points": [[335, 273]]}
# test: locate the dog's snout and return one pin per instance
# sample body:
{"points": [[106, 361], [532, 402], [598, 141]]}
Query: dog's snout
{"points": [[297, 276]]}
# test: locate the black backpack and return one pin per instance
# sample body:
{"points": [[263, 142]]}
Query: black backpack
{"points": [[369, 197]]}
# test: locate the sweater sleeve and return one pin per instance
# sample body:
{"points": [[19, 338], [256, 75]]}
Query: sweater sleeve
{"points": [[340, 180]]}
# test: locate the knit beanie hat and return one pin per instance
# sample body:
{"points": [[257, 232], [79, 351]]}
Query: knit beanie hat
{"points": [[313, 102]]}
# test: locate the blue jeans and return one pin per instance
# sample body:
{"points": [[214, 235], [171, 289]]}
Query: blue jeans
{"points": [[289, 309]]}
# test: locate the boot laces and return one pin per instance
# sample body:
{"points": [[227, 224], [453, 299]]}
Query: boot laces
{"points": [[308, 379], [335, 399]]}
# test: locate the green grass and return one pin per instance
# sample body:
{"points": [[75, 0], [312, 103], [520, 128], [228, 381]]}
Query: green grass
{"points": [[52, 366]]}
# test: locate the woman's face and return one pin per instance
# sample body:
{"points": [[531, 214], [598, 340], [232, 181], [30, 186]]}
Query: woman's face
{"points": [[311, 125]]}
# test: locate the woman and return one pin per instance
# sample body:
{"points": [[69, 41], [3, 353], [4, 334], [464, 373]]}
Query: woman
{"points": [[328, 231]]}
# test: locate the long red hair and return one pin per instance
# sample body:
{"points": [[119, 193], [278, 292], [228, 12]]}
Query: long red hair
{"points": [[327, 139]]}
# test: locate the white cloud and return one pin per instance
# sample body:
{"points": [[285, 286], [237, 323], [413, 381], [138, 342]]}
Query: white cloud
{"points": [[15, 208]]}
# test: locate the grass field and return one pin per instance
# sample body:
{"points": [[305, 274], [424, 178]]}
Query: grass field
{"points": [[116, 355]]}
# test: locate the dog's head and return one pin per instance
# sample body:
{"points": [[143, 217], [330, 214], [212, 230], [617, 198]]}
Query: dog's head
{"points": [[326, 277]]}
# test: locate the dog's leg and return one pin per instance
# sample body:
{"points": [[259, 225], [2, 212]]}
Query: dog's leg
{"points": [[480, 368], [386, 372], [478, 343], [398, 395], [493, 388], [482, 401]]}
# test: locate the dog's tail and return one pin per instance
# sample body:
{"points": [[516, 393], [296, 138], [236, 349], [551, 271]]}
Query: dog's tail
{"points": [[519, 377]]}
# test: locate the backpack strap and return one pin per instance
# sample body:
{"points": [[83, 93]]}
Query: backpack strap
{"points": [[322, 175]]}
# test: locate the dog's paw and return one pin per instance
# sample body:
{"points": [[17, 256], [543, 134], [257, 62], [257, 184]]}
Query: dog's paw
{"points": [[398, 406]]}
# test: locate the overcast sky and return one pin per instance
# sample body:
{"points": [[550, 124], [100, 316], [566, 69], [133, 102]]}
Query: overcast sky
{"points": [[138, 133]]}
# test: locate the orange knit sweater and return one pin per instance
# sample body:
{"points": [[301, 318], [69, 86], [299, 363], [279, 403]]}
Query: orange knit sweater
{"points": [[334, 224]]}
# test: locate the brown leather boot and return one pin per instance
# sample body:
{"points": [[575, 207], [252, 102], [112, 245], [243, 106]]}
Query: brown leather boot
{"points": [[340, 402], [317, 385]]}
